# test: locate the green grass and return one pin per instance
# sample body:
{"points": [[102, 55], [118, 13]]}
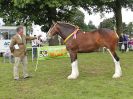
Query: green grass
{"points": [[50, 80]]}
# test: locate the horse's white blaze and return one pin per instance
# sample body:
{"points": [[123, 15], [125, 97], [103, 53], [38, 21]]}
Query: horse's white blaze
{"points": [[118, 71], [75, 72]]}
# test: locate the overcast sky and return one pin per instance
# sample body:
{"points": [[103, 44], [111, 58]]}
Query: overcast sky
{"points": [[1, 22]]}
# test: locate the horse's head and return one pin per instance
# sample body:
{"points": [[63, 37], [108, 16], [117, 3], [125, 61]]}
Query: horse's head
{"points": [[53, 30], [61, 28]]}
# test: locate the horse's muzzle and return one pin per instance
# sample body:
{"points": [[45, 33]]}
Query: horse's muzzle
{"points": [[48, 36]]}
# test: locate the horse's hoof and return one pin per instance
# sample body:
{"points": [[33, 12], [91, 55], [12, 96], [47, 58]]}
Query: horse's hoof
{"points": [[72, 77], [117, 75]]}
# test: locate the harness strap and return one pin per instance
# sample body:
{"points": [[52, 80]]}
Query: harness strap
{"points": [[71, 35]]}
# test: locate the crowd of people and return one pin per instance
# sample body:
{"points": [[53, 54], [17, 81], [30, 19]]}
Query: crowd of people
{"points": [[125, 43]]}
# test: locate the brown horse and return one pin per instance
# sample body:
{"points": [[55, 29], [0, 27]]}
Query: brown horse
{"points": [[78, 41]]}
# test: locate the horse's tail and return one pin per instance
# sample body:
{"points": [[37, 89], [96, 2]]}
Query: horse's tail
{"points": [[116, 32]]}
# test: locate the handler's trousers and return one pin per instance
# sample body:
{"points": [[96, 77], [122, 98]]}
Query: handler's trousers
{"points": [[18, 60]]}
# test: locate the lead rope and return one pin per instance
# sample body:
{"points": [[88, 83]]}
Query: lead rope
{"points": [[38, 53], [37, 59]]}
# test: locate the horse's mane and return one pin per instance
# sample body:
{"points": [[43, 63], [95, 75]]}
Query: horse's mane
{"points": [[67, 23]]}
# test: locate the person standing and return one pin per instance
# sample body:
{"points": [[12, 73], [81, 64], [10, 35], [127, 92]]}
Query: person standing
{"points": [[125, 40], [18, 50], [34, 47], [121, 39]]}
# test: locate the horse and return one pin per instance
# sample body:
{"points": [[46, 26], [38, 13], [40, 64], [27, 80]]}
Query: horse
{"points": [[77, 41]]}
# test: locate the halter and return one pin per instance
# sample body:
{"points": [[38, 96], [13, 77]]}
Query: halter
{"points": [[51, 28], [71, 35]]}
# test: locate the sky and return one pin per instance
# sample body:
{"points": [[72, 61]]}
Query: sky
{"points": [[127, 16], [1, 22]]}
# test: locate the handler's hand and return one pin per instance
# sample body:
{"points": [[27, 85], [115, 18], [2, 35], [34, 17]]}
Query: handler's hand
{"points": [[39, 36]]}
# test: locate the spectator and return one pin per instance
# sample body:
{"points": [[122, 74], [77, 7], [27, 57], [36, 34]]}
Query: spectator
{"points": [[120, 42], [34, 47], [125, 41]]}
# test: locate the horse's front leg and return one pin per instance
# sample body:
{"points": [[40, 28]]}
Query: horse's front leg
{"points": [[74, 63]]}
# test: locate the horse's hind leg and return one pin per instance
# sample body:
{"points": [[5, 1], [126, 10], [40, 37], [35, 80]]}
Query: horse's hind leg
{"points": [[74, 63], [118, 72]]}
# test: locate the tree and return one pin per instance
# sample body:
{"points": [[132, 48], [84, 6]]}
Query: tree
{"points": [[116, 7], [108, 6], [76, 17], [90, 26], [108, 23], [128, 29], [42, 12]]}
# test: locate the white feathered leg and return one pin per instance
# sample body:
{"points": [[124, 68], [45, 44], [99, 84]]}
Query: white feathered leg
{"points": [[75, 72], [118, 71]]}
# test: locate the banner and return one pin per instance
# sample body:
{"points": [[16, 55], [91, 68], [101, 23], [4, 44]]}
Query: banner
{"points": [[48, 52], [4, 45]]}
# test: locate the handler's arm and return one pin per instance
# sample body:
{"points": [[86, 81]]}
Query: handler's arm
{"points": [[12, 45], [30, 38]]}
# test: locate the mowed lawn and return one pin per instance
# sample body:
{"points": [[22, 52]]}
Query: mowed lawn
{"points": [[50, 80]]}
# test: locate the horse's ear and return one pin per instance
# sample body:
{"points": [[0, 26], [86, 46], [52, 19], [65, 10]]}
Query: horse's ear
{"points": [[53, 22]]}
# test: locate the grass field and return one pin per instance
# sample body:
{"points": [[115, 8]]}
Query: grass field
{"points": [[50, 80]]}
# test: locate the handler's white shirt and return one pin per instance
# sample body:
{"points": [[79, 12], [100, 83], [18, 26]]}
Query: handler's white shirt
{"points": [[34, 42]]}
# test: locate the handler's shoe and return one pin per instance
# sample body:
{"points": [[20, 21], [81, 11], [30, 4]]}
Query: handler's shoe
{"points": [[27, 77], [16, 78]]}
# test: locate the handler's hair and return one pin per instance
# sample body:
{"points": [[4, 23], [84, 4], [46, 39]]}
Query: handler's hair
{"points": [[19, 27]]}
